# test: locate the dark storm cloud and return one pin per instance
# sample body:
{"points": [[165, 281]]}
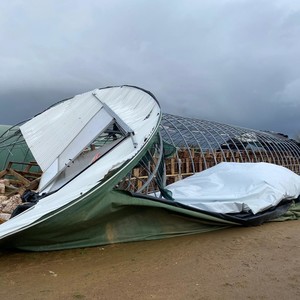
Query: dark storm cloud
{"points": [[228, 61]]}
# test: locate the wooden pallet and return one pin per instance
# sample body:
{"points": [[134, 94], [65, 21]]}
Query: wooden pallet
{"points": [[21, 177]]}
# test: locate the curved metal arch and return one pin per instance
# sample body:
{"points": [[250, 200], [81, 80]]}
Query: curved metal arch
{"points": [[184, 139], [264, 146], [262, 138], [155, 171], [232, 139], [287, 145], [201, 124], [237, 148], [171, 139], [234, 143], [287, 153], [277, 144], [188, 146], [239, 132], [295, 151], [275, 147]]}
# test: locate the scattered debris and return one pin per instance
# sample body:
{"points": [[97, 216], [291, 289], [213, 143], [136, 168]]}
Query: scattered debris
{"points": [[53, 274], [14, 181]]}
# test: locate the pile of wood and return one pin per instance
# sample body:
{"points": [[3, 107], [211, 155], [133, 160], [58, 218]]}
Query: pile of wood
{"points": [[21, 177], [14, 180], [8, 205]]}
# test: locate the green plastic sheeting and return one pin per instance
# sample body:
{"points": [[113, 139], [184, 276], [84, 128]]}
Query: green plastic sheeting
{"points": [[292, 214], [105, 215], [112, 217]]}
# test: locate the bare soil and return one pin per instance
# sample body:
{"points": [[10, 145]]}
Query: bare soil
{"points": [[238, 263]]}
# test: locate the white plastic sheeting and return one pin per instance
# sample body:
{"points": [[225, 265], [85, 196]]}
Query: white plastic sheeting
{"points": [[237, 187], [50, 133], [58, 135]]}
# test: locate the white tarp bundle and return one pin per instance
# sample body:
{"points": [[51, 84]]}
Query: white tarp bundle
{"points": [[237, 187]]}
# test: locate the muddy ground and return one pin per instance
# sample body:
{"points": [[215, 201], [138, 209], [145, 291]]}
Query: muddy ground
{"points": [[238, 263]]}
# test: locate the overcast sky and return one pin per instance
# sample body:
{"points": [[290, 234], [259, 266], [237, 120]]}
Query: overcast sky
{"points": [[231, 61]]}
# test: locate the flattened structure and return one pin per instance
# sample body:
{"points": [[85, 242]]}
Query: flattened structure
{"points": [[105, 169]]}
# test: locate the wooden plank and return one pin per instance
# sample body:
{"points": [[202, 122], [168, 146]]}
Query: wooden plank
{"points": [[30, 174], [33, 184], [136, 174], [9, 164], [172, 166], [187, 165], [3, 173], [18, 176]]}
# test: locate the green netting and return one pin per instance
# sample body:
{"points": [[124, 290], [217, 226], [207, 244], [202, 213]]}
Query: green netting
{"points": [[13, 147]]}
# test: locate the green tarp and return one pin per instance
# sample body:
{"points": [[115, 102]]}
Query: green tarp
{"points": [[117, 217], [292, 214], [112, 217]]}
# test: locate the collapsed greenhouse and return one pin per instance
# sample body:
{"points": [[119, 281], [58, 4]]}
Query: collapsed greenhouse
{"points": [[98, 194], [187, 146]]}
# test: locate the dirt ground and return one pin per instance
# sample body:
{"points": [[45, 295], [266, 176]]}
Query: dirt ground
{"points": [[238, 263]]}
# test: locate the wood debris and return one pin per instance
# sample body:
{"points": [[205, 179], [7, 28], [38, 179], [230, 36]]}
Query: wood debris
{"points": [[13, 183]]}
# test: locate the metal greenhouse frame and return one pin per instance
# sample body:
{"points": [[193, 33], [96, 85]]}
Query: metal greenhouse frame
{"points": [[183, 147], [187, 145], [201, 144]]}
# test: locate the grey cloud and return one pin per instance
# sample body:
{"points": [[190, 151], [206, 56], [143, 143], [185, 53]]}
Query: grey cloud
{"points": [[230, 61]]}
